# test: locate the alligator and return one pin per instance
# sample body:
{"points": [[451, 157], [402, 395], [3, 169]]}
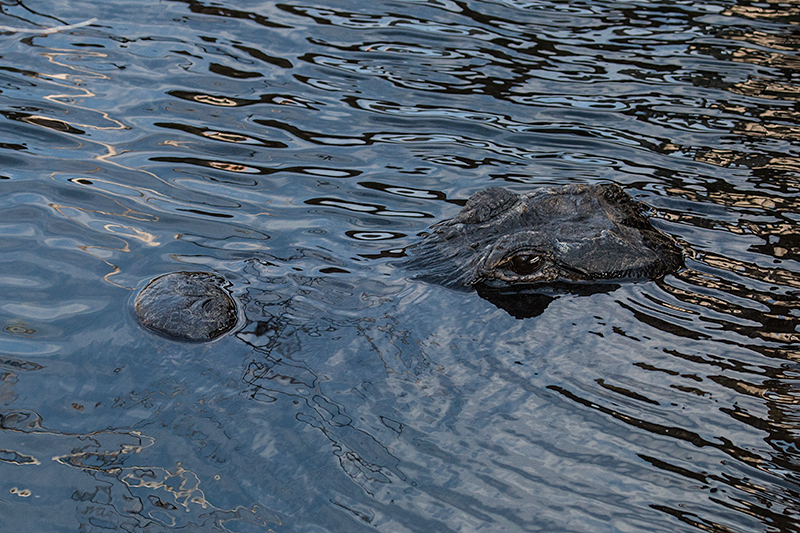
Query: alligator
{"points": [[505, 245], [574, 234], [189, 306]]}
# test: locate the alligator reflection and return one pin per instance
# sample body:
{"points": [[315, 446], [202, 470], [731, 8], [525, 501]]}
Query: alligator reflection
{"points": [[531, 301]]}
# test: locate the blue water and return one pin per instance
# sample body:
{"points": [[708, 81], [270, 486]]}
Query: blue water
{"points": [[296, 149]]}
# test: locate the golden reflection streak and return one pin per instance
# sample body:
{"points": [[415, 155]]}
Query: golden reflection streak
{"points": [[769, 330], [769, 232], [145, 237], [776, 131], [767, 40], [59, 98], [215, 100], [138, 234], [783, 10], [722, 306], [74, 458], [778, 276], [126, 214], [787, 164], [764, 88], [54, 56], [176, 144], [750, 200], [772, 59], [726, 158], [232, 167], [762, 391], [185, 493], [226, 137], [47, 122], [111, 151]]}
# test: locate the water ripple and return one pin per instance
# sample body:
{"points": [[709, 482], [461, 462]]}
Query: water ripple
{"points": [[297, 150]]}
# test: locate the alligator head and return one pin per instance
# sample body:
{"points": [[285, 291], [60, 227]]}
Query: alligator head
{"points": [[574, 234]]}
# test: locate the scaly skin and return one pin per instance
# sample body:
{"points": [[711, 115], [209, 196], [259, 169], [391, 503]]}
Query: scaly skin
{"points": [[569, 234], [189, 306]]}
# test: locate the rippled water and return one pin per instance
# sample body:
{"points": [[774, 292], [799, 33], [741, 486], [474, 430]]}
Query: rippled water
{"points": [[297, 149]]}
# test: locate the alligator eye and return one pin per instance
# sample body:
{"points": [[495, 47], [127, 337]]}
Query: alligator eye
{"points": [[524, 264]]}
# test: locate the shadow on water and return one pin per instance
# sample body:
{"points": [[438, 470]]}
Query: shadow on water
{"points": [[297, 150], [529, 302]]}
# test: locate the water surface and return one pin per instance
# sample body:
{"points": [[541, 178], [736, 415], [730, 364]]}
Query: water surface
{"points": [[297, 149]]}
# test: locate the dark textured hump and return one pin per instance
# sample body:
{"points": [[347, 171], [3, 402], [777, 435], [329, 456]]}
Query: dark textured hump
{"points": [[486, 204], [447, 266], [574, 233], [670, 256], [630, 211], [188, 306]]}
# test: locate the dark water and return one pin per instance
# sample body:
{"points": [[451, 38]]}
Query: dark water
{"points": [[297, 149]]}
